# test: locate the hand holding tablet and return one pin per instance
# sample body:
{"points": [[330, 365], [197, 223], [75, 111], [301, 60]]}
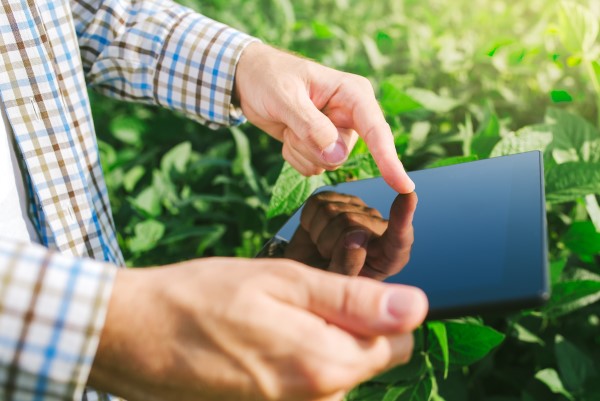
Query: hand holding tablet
{"points": [[479, 234]]}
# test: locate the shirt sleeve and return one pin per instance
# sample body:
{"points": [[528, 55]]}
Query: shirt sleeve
{"points": [[159, 52], [52, 309]]}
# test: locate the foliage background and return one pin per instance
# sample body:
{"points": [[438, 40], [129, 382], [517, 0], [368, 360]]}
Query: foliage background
{"points": [[458, 80]]}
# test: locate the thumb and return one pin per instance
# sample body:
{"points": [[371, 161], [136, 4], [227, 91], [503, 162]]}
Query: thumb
{"points": [[313, 134], [366, 307], [388, 254]]}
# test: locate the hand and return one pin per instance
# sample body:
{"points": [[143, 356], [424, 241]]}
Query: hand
{"points": [[340, 233], [316, 112], [265, 329]]}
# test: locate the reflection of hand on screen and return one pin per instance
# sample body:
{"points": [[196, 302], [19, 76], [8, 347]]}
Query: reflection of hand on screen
{"points": [[341, 233]]}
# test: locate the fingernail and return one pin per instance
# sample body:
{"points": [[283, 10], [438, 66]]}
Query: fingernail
{"points": [[399, 304], [335, 153], [356, 239]]}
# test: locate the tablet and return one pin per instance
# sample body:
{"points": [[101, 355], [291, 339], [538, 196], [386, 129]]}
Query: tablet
{"points": [[478, 234]]}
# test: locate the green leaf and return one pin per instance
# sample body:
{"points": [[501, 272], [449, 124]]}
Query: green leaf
{"points": [[148, 201], [413, 370], [596, 68], [527, 336], [177, 158], [321, 30], [394, 100], [395, 392], [569, 181], [419, 391], [290, 190], [243, 163], [574, 139], [211, 237], [468, 343], [180, 234], [432, 101], [556, 269], [550, 378], [132, 177], [164, 189], [127, 129], [147, 235], [560, 96], [582, 238], [569, 296], [574, 366], [452, 160], [377, 60], [578, 27], [366, 392], [487, 136], [593, 209], [535, 137], [438, 330]]}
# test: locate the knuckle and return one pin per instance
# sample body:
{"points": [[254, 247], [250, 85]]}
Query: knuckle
{"points": [[322, 378], [329, 209], [361, 82], [346, 219]]}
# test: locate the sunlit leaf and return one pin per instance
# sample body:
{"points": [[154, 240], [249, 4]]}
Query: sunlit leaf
{"points": [[376, 58], [526, 336], [127, 129], [575, 139], [550, 378], [578, 27], [176, 158], [432, 101], [569, 296], [468, 343], [438, 330], [131, 178], [569, 181], [535, 137], [290, 190], [394, 99], [147, 235], [452, 160], [148, 201]]}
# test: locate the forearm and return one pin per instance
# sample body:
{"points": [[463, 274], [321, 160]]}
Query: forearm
{"points": [[159, 52]]}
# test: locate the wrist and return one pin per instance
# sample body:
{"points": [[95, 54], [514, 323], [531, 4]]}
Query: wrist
{"points": [[122, 338], [252, 57]]}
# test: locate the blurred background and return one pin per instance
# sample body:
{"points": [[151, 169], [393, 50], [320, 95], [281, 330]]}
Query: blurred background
{"points": [[458, 81]]}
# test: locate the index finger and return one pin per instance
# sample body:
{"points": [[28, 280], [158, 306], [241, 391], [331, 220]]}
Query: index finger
{"points": [[369, 122]]}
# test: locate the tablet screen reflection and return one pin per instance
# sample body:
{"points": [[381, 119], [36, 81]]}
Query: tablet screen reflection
{"points": [[341, 233]]}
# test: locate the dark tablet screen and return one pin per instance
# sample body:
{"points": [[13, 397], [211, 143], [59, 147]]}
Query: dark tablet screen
{"points": [[478, 231]]}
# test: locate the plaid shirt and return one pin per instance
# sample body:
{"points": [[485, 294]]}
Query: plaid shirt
{"points": [[53, 298]]}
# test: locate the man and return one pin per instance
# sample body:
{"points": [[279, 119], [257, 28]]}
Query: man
{"points": [[225, 329]]}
